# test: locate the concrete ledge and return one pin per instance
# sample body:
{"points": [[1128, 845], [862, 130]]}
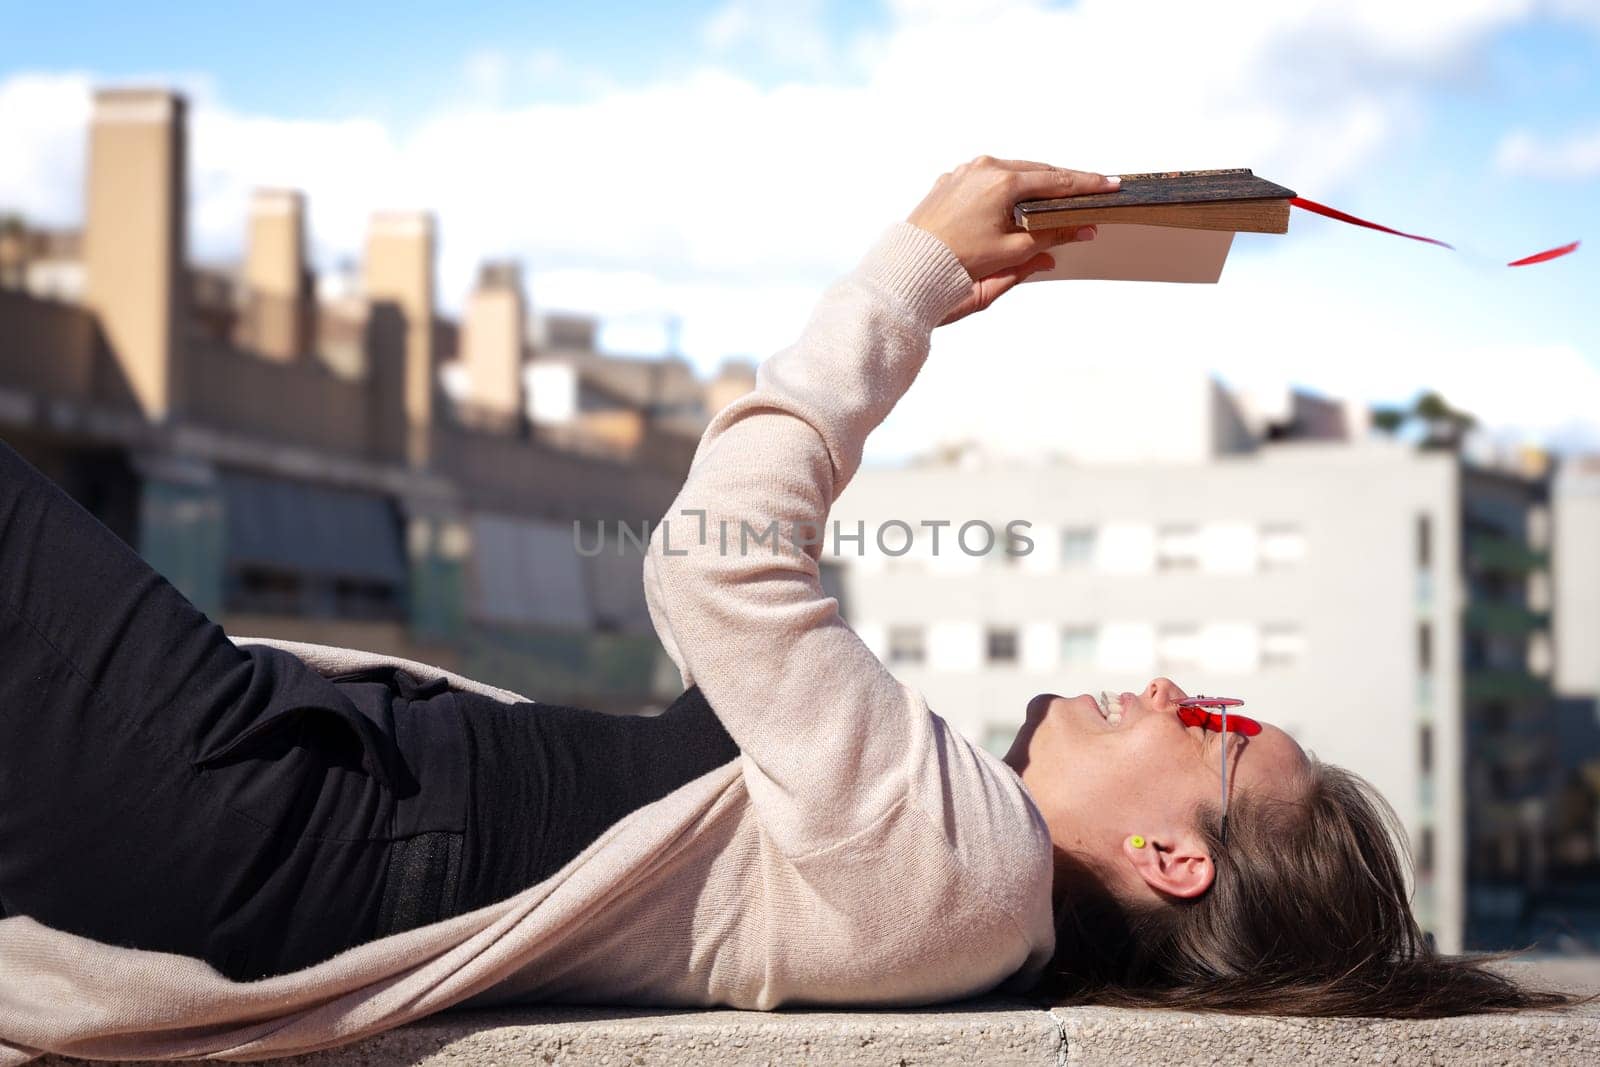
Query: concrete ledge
{"points": [[972, 1033], [1106, 1036]]}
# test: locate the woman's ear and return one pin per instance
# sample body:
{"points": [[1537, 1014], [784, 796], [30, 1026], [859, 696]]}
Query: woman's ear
{"points": [[1175, 864]]}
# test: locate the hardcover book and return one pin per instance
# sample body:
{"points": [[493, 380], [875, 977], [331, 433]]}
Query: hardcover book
{"points": [[1174, 226]]}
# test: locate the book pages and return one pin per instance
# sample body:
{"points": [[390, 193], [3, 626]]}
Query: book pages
{"points": [[1132, 253]]}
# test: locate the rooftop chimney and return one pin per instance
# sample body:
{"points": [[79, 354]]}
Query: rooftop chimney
{"points": [[399, 291], [277, 285], [492, 346], [133, 240]]}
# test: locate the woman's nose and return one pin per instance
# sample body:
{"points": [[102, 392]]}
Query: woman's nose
{"points": [[1163, 693]]}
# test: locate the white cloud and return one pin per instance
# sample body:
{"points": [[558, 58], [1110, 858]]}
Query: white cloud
{"points": [[1003, 375], [350, 167], [43, 118], [1553, 388], [1573, 157], [492, 76], [487, 73], [786, 33], [730, 204]]}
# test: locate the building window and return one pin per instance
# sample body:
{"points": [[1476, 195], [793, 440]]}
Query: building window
{"points": [[264, 591], [354, 598], [1077, 547], [1282, 645], [1496, 717], [1178, 548], [1230, 548], [1126, 646], [1283, 546], [1424, 541], [1125, 548], [1541, 657], [1539, 594], [1425, 647], [1424, 590], [1425, 748], [1178, 648], [1002, 546], [1002, 644], [1537, 528], [907, 645], [955, 646], [1425, 852], [1079, 645]]}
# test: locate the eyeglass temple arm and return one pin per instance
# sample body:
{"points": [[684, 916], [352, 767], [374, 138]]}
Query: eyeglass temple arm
{"points": [[1224, 747]]}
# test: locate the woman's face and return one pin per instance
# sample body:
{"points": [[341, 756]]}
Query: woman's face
{"points": [[1100, 782]]}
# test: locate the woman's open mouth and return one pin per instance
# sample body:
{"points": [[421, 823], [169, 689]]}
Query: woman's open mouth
{"points": [[1110, 705]]}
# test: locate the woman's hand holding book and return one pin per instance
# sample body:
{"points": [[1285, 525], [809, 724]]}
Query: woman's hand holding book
{"points": [[970, 209]]}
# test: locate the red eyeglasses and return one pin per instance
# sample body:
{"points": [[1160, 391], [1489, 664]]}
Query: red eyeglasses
{"points": [[1196, 711]]}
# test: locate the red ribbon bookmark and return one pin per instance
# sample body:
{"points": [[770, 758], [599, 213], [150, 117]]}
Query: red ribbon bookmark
{"points": [[1335, 213], [1549, 253]]}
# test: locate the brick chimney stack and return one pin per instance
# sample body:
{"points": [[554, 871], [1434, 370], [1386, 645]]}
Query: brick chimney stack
{"points": [[278, 304], [134, 230], [492, 347], [398, 284]]}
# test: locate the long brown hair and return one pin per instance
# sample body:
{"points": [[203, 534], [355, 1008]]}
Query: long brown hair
{"points": [[1307, 915]]}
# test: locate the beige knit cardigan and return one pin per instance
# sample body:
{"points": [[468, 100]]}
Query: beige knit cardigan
{"points": [[858, 852]]}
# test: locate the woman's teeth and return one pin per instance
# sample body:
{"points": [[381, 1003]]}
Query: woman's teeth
{"points": [[1111, 707]]}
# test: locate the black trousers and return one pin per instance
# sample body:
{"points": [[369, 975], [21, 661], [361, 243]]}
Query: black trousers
{"points": [[163, 788]]}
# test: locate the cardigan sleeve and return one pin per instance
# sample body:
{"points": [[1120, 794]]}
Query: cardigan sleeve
{"points": [[731, 575]]}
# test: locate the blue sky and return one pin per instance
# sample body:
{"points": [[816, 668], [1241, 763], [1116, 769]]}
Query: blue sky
{"points": [[320, 60], [1478, 122]]}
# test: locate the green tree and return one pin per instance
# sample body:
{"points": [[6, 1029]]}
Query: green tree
{"points": [[1442, 426]]}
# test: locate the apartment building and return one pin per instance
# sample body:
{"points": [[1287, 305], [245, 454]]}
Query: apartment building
{"points": [[334, 459], [1575, 852], [1385, 604]]}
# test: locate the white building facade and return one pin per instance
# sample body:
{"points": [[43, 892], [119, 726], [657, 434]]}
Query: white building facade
{"points": [[1322, 581]]}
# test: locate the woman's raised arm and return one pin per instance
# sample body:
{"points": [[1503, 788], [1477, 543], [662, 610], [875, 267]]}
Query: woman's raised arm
{"points": [[731, 576]]}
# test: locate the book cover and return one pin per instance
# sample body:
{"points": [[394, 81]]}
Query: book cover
{"points": [[1234, 200]]}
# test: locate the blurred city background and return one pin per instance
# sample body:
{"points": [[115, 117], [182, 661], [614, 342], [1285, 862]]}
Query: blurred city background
{"points": [[379, 328]]}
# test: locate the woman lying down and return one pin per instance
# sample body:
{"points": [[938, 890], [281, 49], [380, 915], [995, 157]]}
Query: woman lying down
{"points": [[253, 847]]}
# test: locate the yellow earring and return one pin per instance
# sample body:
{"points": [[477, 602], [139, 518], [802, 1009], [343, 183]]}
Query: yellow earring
{"points": [[1136, 841]]}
